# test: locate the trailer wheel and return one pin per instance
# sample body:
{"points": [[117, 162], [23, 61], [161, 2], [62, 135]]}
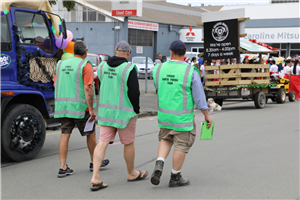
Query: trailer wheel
{"points": [[23, 132], [259, 99], [280, 95], [292, 96]]}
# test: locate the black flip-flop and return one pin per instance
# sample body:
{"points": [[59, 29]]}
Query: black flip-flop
{"points": [[98, 187], [139, 177]]}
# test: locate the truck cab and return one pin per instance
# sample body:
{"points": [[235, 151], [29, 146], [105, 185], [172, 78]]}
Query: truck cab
{"points": [[28, 62]]}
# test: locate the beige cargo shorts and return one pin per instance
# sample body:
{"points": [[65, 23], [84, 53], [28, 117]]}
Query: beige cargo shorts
{"points": [[182, 140]]}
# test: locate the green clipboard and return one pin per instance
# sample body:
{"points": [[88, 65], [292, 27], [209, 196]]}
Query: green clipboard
{"points": [[207, 134]]}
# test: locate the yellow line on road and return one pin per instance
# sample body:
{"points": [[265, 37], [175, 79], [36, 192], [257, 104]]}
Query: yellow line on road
{"points": [[148, 118]]}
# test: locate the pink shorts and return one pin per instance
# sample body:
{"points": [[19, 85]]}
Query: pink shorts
{"points": [[127, 135]]}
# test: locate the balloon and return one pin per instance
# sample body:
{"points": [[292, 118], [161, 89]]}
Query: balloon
{"points": [[69, 36], [47, 43], [66, 56], [58, 42], [70, 47]]}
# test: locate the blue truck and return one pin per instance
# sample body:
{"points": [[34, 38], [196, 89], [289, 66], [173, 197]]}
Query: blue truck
{"points": [[28, 59]]}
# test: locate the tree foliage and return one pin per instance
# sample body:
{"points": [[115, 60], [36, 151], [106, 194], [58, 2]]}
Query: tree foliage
{"points": [[69, 5]]}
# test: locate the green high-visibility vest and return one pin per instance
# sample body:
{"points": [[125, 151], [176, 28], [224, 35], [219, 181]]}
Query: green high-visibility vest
{"points": [[115, 108], [69, 92], [175, 100]]}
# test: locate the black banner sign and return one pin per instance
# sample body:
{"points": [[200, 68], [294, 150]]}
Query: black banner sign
{"points": [[221, 39]]}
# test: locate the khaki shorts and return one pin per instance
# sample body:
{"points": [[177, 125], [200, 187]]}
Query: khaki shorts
{"points": [[182, 140], [68, 124]]}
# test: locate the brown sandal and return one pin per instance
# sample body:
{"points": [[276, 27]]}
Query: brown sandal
{"points": [[98, 187], [139, 177]]}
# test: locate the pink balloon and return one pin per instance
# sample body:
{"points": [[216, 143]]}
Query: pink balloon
{"points": [[58, 42], [69, 36]]}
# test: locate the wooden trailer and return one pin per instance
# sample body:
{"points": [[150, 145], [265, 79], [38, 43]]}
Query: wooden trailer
{"points": [[239, 81]]}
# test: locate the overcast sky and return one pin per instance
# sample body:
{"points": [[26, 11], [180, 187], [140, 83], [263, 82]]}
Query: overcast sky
{"points": [[218, 2]]}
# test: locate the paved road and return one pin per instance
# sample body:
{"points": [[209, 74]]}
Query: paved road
{"points": [[254, 155]]}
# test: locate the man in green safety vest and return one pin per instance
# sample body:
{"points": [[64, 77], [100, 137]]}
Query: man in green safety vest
{"points": [[74, 96], [118, 110], [179, 89]]}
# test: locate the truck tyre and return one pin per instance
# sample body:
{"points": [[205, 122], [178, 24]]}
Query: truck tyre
{"points": [[219, 101], [280, 95], [292, 96], [23, 132], [259, 99]]}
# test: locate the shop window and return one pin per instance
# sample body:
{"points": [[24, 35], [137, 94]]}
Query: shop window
{"points": [[92, 15], [5, 36], [84, 14], [33, 30], [140, 38], [295, 46], [295, 53], [283, 46], [276, 45], [283, 54], [101, 18]]}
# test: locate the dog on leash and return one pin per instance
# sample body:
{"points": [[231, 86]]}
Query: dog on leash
{"points": [[213, 106]]}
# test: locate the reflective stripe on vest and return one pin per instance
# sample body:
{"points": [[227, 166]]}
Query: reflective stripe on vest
{"points": [[60, 112], [120, 106], [58, 70], [176, 125], [157, 75], [112, 120], [101, 69], [184, 85], [77, 99]]}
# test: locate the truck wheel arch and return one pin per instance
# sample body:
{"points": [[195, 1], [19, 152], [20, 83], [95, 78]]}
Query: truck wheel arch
{"points": [[34, 100]]}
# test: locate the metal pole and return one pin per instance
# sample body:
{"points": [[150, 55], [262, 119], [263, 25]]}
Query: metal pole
{"points": [[146, 76]]}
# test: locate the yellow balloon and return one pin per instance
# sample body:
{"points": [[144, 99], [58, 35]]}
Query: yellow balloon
{"points": [[66, 56]]}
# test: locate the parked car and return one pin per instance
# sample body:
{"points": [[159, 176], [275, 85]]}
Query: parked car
{"points": [[140, 62], [103, 57], [95, 60]]}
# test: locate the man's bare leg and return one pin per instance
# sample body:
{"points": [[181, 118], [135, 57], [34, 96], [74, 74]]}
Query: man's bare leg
{"points": [[164, 148], [63, 150], [178, 159], [129, 155], [99, 154], [91, 143]]}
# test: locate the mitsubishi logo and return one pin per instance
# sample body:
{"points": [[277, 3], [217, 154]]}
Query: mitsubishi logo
{"points": [[190, 33]]}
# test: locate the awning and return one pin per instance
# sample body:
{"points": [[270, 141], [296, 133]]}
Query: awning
{"points": [[247, 46]]}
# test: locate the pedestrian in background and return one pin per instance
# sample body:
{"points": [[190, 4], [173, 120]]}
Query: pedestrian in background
{"points": [[274, 67], [74, 96], [203, 72], [186, 59], [194, 61], [176, 117], [287, 69], [118, 111], [295, 79], [158, 59]]}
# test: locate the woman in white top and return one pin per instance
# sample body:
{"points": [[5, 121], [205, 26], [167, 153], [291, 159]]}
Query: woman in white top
{"points": [[194, 61], [274, 67], [295, 80], [287, 69]]}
